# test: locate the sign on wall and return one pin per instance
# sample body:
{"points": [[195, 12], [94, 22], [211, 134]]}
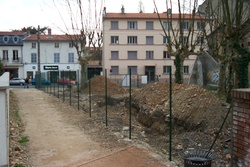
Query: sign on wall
{"points": [[50, 67]]}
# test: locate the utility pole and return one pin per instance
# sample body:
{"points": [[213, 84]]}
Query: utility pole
{"points": [[38, 49], [38, 76]]}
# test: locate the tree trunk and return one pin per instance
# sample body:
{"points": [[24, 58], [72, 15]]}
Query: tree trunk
{"points": [[178, 62], [222, 80], [84, 74]]}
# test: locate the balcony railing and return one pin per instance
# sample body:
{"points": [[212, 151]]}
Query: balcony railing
{"points": [[16, 59]]}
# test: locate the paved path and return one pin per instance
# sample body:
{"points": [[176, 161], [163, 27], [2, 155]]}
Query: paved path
{"points": [[56, 140]]}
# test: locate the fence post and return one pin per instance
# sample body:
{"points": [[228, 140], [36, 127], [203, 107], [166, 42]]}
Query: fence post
{"points": [[89, 96], [130, 108], [70, 86], [106, 97], [63, 87], [78, 90], [170, 115]]}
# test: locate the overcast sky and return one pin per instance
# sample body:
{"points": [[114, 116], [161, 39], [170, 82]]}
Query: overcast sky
{"points": [[16, 14]]}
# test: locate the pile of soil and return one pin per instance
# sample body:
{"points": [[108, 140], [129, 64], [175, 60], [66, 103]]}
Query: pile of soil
{"points": [[98, 86], [193, 107], [197, 116]]}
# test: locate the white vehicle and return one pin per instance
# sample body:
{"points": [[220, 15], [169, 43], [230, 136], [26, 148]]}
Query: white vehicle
{"points": [[17, 81]]}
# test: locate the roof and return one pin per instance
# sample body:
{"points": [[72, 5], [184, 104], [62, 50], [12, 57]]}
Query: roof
{"points": [[33, 37], [18, 33], [148, 16]]}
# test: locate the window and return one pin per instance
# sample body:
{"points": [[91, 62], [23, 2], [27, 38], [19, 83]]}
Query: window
{"points": [[132, 24], [166, 69], [186, 69], [71, 57], [183, 40], [114, 55], [15, 55], [200, 40], [114, 25], [33, 45], [166, 55], [200, 25], [114, 40], [56, 58], [132, 55], [71, 45], [132, 40], [166, 40], [33, 57], [149, 25], [114, 70], [5, 55], [57, 45], [149, 40], [149, 54], [184, 25], [133, 70], [166, 25]]}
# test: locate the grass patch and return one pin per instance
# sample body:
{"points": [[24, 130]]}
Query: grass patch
{"points": [[19, 165], [24, 139]]}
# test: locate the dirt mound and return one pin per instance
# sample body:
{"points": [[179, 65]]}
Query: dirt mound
{"points": [[98, 86], [193, 107]]}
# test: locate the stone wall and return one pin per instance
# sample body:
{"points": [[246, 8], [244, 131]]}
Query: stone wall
{"points": [[241, 127]]}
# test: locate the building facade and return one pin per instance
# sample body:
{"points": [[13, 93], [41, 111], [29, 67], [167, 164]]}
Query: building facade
{"points": [[11, 52], [137, 41], [19, 54], [57, 53]]}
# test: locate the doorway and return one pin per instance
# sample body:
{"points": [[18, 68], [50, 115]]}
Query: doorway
{"points": [[150, 72]]}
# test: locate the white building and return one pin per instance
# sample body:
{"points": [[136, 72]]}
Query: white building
{"points": [[56, 54], [19, 54]]}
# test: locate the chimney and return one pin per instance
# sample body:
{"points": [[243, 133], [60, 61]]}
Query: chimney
{"points": [[49, 33], [123, 9], [104, 11], [169, 12], [27, 33]]}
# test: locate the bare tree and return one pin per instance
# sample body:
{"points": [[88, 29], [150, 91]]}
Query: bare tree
{"points": [[85, 30], [227, 41], [183, 39]]}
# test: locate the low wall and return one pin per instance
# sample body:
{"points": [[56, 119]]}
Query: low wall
{"points": [[4, 120], [241, 127]]}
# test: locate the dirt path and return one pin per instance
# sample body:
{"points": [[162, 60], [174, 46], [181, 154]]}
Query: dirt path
{"points": [[57, 139]]}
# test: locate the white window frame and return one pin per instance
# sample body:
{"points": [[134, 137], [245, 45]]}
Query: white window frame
{"points": [[57, 45], [33, 45], [149, 55], [114, 39], [132, 39], [15, 54], [166, 69], [166, 55], [166, 25], [185, 25], [71, 57], [132, 25], [185, 69], [5, 55], [56, 57], [33, 58]]}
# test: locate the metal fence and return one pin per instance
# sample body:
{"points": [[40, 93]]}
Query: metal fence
{"points": [[65, 86]]}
